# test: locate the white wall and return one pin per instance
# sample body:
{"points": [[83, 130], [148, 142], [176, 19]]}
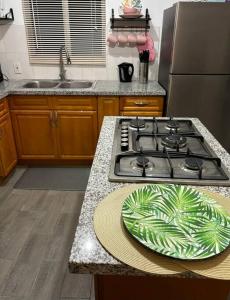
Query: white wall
{"points": [[13, 48]]}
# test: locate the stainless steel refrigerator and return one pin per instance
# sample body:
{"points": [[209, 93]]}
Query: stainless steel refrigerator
{"points": [[195, 64]]}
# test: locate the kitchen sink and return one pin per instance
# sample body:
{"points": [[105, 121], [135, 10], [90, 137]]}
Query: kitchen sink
{"points": [[47, 84], [75, 85], [41, 84]]}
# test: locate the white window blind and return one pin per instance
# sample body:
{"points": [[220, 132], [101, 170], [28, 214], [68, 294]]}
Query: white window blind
{"points": [[77, 24]]}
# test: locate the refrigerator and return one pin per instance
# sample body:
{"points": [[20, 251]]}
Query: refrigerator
{"points": [[194, 64]]}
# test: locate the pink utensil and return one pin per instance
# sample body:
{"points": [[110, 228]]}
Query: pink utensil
{"points": [[149, 45]]}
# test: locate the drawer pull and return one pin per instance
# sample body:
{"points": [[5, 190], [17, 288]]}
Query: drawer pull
{"points": [[56, 118], [52, 122], [140, 103]]}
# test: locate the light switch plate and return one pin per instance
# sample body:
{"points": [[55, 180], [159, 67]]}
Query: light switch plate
{"points": [[17, 68]]}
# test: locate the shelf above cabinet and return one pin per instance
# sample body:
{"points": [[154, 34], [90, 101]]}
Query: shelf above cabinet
{"points": [[9, 17], [129, 23]]}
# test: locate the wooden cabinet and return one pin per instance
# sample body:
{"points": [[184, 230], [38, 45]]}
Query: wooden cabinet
{"points": [[65, 130], [8, 155], [141, 113], [107, 106], [3, 108], [34, 134], [32, 102], [78, 103], [144, 106], [76, 134], [66, 127], [141, 106]]}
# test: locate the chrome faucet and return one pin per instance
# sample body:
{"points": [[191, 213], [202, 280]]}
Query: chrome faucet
{"points": [[61, 62]]}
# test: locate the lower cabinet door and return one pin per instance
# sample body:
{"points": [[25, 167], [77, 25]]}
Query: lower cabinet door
{"points": [[34, 134], [8, 155], [76, 134]]}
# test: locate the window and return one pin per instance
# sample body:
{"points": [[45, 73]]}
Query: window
{"points": [[77, 24]]}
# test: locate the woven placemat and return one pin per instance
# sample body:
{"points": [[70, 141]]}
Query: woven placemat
{"points": [[112, 235], [217, 267]]}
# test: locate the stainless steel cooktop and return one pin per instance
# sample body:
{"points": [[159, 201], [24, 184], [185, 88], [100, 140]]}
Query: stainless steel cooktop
{"points": [[164, 150]]}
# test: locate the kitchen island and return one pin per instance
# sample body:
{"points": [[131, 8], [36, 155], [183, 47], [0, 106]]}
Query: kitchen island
{"points": [[87, 254]]}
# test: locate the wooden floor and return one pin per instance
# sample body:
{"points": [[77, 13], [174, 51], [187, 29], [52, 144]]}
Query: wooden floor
{"points": [[36, 234]]}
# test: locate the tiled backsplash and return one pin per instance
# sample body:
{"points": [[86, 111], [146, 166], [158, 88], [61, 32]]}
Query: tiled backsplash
{"points": [[13, 49]]}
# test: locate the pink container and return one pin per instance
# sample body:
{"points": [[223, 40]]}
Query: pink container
{"points": [[131, 11], [122, 39], [132, 38], [141, 39], [112, 38]]}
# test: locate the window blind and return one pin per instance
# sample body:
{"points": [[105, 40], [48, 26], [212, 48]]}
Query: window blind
{"points": [[77, 24]]}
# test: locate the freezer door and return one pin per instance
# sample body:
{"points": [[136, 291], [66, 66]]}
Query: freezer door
{"points": [[205, 97], [201, 38]]}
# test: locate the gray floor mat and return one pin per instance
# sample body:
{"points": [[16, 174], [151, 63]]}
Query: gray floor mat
{"points": [[54, 178]]}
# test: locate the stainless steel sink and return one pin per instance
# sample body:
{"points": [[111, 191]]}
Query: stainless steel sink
{"points": [[41, 84], [47, 84], [75, 84]]}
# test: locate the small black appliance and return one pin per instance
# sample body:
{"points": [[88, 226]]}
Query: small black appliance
{"points": [[126, 72]]}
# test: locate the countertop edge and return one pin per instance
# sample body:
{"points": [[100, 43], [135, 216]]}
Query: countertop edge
{"points": [[101, 88]]}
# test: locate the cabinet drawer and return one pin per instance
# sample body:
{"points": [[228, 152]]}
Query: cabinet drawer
{"points": [[141, 103], [141, 113], [3, 107], [29, 102], [81, 103]]}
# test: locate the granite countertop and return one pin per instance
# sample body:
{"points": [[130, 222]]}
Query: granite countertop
{"points": [[101, 87], [87, 254]]}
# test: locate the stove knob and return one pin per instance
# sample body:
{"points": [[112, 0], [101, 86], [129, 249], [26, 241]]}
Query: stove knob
{"points": [[124, 135], [124, 146], [124, 140], [124, 127]]}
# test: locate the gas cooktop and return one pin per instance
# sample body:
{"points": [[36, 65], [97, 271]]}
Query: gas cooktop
{"points": [[164, 150]]}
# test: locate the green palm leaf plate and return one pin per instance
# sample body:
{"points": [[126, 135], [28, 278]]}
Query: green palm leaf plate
{"points": [[177, 221]]}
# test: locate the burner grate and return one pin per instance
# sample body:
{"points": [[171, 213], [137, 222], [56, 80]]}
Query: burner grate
{"points": [[188, 159], [170, 156]]}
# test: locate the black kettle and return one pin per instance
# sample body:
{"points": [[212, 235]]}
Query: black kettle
{"points": [[126, 72]]}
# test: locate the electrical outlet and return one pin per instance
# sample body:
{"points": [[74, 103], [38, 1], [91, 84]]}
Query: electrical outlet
{"points": [[17, 68]]}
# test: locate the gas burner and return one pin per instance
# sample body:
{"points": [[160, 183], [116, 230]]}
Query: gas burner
{"points": [[173, 125], [193, 163], [142, 161], [137, 123], [173, 141]]}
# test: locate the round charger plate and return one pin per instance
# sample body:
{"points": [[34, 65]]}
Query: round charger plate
{"points": [[130, 16], [177, 221]]}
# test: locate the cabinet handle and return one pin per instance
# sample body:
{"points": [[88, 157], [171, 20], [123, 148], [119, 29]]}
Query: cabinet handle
{"points": [[140, 103], [51, 119], [56, 118]]}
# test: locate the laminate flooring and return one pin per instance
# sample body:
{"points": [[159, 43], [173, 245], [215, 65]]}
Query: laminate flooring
{"points": [[36, 233]]}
